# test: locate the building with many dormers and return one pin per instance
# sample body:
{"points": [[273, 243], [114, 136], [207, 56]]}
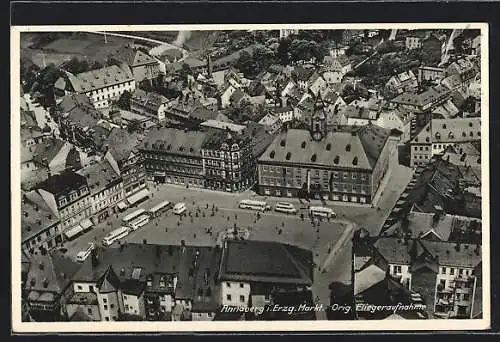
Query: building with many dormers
{"points": [[102, 86], [438, 134], [214, 159], [341, 166]]}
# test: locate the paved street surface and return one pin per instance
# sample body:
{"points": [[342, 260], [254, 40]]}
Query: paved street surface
{"points": [[331, 245], [42, 116]]}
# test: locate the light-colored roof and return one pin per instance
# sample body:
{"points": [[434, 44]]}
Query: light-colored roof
{"points": [[366, 278], [175, 141], [269, 120], [99, 78], [450, 131]]}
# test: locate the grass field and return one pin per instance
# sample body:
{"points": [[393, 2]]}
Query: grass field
{"points": [[64, 45]]}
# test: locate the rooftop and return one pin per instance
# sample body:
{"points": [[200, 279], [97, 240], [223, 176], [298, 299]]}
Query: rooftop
{"points": [[270, 262], [100, 78], [175, 141], [358, 149], [99, 176], [63, 183]]}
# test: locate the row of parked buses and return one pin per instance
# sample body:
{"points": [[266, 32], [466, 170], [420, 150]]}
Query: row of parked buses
{"points": [[141, 217], [287, 208]]}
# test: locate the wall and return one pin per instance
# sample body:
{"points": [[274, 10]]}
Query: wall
{"points": [[424, 283], [109, 306], [133, 304], [237, 291], [381, 167], [420, 154], [91, 310]]}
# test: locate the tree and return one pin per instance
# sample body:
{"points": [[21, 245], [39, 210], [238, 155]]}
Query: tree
{"points": [[263, 58], [284, 51], [124, 100], [76, 66], [246, 63]]}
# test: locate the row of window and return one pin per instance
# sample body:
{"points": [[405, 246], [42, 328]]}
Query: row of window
{"points": [[460, 271], [326, 173]]}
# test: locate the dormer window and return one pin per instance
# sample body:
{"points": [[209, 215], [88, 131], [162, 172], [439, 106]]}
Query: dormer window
{"points": [[348, 147], [149, 281], [328, 147], [282, 143], [271, 155], [355, 161], [336, 160], [288, 155], [471, 134], [313, 158], [438, 136], [444, 126]]}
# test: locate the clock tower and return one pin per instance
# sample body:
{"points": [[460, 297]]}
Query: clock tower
{"points": [[318, 120]]}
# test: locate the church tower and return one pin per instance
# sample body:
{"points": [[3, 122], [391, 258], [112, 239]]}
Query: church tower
{"points": [[318, 120]]}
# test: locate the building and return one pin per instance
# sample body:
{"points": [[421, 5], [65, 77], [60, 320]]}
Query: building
{"points": [[341, 64], [251, 271], [421, 102], [403, 82], [399, 120], [228, 161], [464, 69], [67, 196], [121, 149], [48, 278], [214, 159], [341, 166], [430, 73], [174, 156], [441, 133], [271, 122], [150, 104], [413, 43], [105, 186], [284, 33], [40, 227], [143, 66], [55, 156], [441, 275], [102, 86], [285, 114], [78, 119]]}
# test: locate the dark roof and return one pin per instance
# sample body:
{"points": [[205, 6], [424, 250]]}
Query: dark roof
{"points": [[175, 141], [109, 282], [35, 218], [302, 74], [99, 175], [78, 109], [149, 100], [51, 272], [270, 262], [63, 183], [121, 143], [46, 151]]}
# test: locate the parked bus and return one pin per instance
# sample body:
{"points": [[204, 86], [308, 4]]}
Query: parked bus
{"points": [[180, 208], [160, 208], [132, 216], [139, 222], [322, 211], [115, 235], [285, 207], [254, 205], [83, 255]]}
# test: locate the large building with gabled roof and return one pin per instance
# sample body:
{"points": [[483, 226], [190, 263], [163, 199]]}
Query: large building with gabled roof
{"points": [[102, 86], [343, 165]]}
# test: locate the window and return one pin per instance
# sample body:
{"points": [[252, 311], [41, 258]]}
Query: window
{"points": [[89, 310], [125, 297], [397, 269], [421, 148], [112, 306], [452, 271], [466, 297], [460, 271], [443, 270], [126, 307], [228, 297], [107, 318], [104, 300], [79, 287], [105, 307], [242, 299], [228, 284], [242, 285]]}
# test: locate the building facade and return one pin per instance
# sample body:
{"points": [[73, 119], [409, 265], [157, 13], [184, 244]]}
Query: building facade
{"points": [[438, 134], [102, 86], [340, 166]]}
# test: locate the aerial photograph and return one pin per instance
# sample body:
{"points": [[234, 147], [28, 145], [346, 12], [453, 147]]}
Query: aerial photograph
{"points": [[250, 175]]}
